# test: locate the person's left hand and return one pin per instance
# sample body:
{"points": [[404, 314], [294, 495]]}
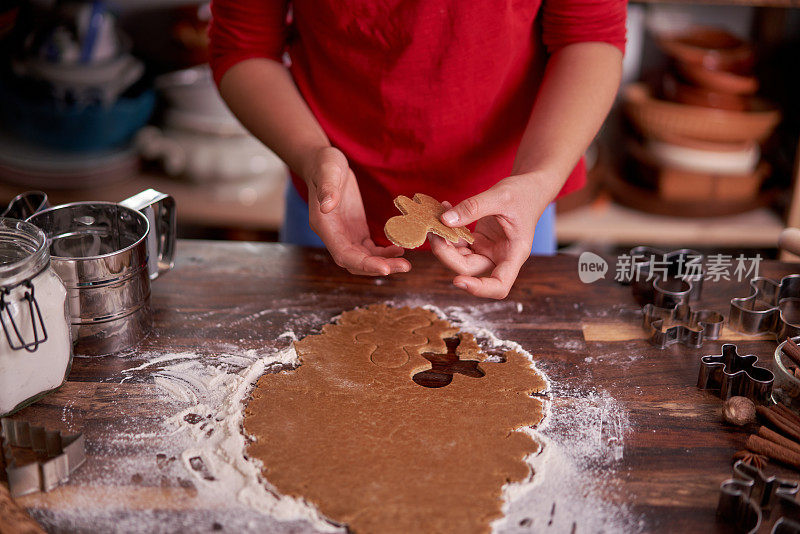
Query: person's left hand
{"points": [[506, 216]]}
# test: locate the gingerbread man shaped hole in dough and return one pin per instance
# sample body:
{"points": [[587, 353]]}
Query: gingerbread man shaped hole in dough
{"points": [[444, 366]]}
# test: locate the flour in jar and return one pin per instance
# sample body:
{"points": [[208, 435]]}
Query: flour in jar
{"points": [[23, 374]]}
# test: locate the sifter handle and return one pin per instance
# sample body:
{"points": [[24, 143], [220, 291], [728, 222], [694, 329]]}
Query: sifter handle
{"points": [[159, 208]]}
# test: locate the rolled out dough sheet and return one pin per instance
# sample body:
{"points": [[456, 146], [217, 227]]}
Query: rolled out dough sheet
{"points": [[358, 438]]}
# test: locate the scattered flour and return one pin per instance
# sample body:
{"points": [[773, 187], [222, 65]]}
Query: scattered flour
{"points": [[218, 459], [582, 439]]}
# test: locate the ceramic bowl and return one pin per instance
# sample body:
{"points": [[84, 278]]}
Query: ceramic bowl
{"points": [[75, 127], [676, 91], [34, 166], [661, 119], [678, 184], [719, 81], [103, 79], [706, 145], [194, 104], [786, 384], [203, 159], [736, 161], [712, 48]]}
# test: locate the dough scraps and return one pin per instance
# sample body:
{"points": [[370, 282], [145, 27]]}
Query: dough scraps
{"points": [[356, 436], [420, 216]]}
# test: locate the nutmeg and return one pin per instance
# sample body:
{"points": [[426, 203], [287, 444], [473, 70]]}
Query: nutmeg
{"points": [[739, 411]]}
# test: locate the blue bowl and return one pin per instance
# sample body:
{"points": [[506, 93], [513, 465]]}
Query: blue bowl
{"points": [[77, 128]]}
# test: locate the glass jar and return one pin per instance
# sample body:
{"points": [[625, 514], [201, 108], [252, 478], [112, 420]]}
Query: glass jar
{"points": [[35, 344]]}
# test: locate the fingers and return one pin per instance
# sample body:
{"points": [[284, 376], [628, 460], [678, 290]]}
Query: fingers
{"points": [[459, 258], [496, 286], [489, 202], [331, 175], [358, 260], [392, 251]]}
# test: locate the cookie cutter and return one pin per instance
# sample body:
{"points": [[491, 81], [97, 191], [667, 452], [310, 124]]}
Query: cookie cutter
{"points": [[690, 327], [771, 307], [665, 287], [750, 497], [735, 375], [674, 279], [64, 452]]}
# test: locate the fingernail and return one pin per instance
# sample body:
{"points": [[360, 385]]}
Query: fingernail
{"points": [[460, 285], [450, 217], [326, 199]]}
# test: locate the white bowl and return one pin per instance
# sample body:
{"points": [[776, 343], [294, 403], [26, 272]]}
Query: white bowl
{"points": [[737, 161], [203, 158]]}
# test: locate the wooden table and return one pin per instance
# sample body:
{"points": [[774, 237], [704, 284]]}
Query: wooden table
{"points": [[222, 295]]}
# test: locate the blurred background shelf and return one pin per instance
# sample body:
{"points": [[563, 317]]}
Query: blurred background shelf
{"points": [[231, 213], [604, 221], [193, 149]]}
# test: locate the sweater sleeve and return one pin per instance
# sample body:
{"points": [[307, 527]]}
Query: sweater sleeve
{"points": [[245, 29], [574, 21]]}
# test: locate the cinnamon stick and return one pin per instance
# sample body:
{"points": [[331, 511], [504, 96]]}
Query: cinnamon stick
{"points": [[791, 349], [772, 450], [785, 426], [789, 419], [774, 437], [787, 413]]}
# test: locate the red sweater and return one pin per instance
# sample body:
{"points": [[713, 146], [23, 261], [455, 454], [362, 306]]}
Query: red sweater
{"points": [[422, 96]]}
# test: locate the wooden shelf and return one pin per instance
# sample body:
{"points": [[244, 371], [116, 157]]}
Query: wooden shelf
{"points": [[607, 222]]}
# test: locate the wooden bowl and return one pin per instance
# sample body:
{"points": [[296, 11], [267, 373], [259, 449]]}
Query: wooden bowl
{"points": [[707, 145], [712, 48], [719, 81], [676, 91], [679, 184], [650, 200], [785, 381], [661, 119]]}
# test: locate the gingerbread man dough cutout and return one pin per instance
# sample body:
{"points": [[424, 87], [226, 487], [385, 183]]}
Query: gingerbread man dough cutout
{"points": [[420, 216], [394, 342]]}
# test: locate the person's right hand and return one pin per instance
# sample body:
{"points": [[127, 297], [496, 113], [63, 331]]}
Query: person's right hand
{"points": [[336, 214]]}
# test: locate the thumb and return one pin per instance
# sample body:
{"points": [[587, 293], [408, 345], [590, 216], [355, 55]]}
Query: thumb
{"points": [[472, 209], [329, 182]]}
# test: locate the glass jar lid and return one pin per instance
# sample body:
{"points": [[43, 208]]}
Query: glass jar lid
{"points": [[23, 252]]}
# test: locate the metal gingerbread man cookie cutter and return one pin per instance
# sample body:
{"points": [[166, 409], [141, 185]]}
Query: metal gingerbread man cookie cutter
{"points": [[687, 326], [666, 279], [665, 288], [735, 375], [64, 453], [771, 307], [749, 498]]}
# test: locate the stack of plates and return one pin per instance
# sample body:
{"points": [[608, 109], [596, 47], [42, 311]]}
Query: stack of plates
{"points": [[37, 167]]}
